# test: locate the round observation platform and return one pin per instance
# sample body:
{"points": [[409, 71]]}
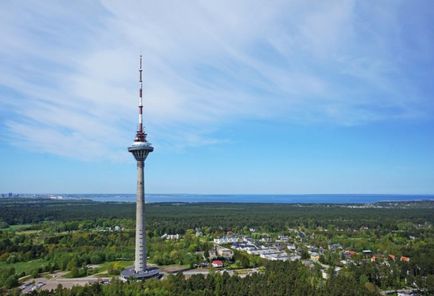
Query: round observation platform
{"points": [[140, 150]]}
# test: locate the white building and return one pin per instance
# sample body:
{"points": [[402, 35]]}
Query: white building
{"points": [[225, 252], [291, 247], [226, 240], [170, 236]]}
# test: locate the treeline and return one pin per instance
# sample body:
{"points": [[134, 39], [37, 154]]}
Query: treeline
{"points": [[279, 278], [177, 217]]}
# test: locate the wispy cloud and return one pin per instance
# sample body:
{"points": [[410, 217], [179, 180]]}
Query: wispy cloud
{"points": [[68, 70]]}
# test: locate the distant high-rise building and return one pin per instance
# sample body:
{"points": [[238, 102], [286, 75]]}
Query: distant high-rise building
{"points": [[140, 150]]}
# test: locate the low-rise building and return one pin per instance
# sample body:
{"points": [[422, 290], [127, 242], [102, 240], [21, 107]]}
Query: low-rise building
{"points": [[226, 240], [244, 246], [278, 256], [367, 252], [282, 238], [335, 247], [349, 254], [170, 236], [314, 256], [224, 252], [291, 247], [217, 263]]}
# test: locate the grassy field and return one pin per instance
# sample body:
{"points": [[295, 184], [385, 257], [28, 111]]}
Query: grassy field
{"points": [[24, 266], [18, 227]]}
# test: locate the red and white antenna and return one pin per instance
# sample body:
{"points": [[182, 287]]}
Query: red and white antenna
{"points": [[140, 135]]}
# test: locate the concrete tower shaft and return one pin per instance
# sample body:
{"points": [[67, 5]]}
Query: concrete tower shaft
{"points": [[140, 152], [140, 256]]}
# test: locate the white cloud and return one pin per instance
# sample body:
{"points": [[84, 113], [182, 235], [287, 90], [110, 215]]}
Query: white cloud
{"points": [[73, 69]]}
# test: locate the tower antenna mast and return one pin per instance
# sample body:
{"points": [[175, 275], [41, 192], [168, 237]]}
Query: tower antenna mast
{"points": [[140, 135]]}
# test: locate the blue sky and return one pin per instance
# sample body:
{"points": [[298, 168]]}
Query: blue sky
{"points": [[240, 96]]}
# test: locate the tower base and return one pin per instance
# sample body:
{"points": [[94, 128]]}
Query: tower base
{"points": [[131, 274]]}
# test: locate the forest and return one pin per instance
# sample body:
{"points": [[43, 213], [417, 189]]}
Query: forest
{"points": [[178, 217], [80, 237]]}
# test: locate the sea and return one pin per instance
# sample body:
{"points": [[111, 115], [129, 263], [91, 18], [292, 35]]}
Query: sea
{"points": [[249, 198]]}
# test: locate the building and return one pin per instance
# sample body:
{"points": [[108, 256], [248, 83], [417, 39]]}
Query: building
{"points": [[291, 247], [278, 256], [295, 257], [171, 236], [349, 254], [224, 252], [226, 240], [217, 263], [314, 256], [140, 150], [335, 247], [282, 238], [244, 246]]}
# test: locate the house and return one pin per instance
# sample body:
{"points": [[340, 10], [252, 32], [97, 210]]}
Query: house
{"points": [[217, 263], [282, 238], [405, 259], [266, 240], [367, 252], [291, 247], [170, 236], [349, 254], [373, 258], [312, 249], [392, 257], [335, 247], [279, 245], [301, 234], [314, 256]]}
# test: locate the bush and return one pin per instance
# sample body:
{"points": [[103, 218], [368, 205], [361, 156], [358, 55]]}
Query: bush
{"points": [[11, 282]]}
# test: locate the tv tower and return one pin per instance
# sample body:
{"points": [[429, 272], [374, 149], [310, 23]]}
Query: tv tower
{"points": [[140, 150]]}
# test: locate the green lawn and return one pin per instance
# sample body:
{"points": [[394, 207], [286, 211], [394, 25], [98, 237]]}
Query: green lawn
{"points": [[18, 227], [27, 232], [24, 266]]}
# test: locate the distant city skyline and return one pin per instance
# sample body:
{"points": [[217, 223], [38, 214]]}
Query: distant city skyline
{"points": [[240, 97]]}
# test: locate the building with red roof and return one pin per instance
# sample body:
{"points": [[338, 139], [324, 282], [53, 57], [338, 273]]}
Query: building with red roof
{"points": [[217, 263]]}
